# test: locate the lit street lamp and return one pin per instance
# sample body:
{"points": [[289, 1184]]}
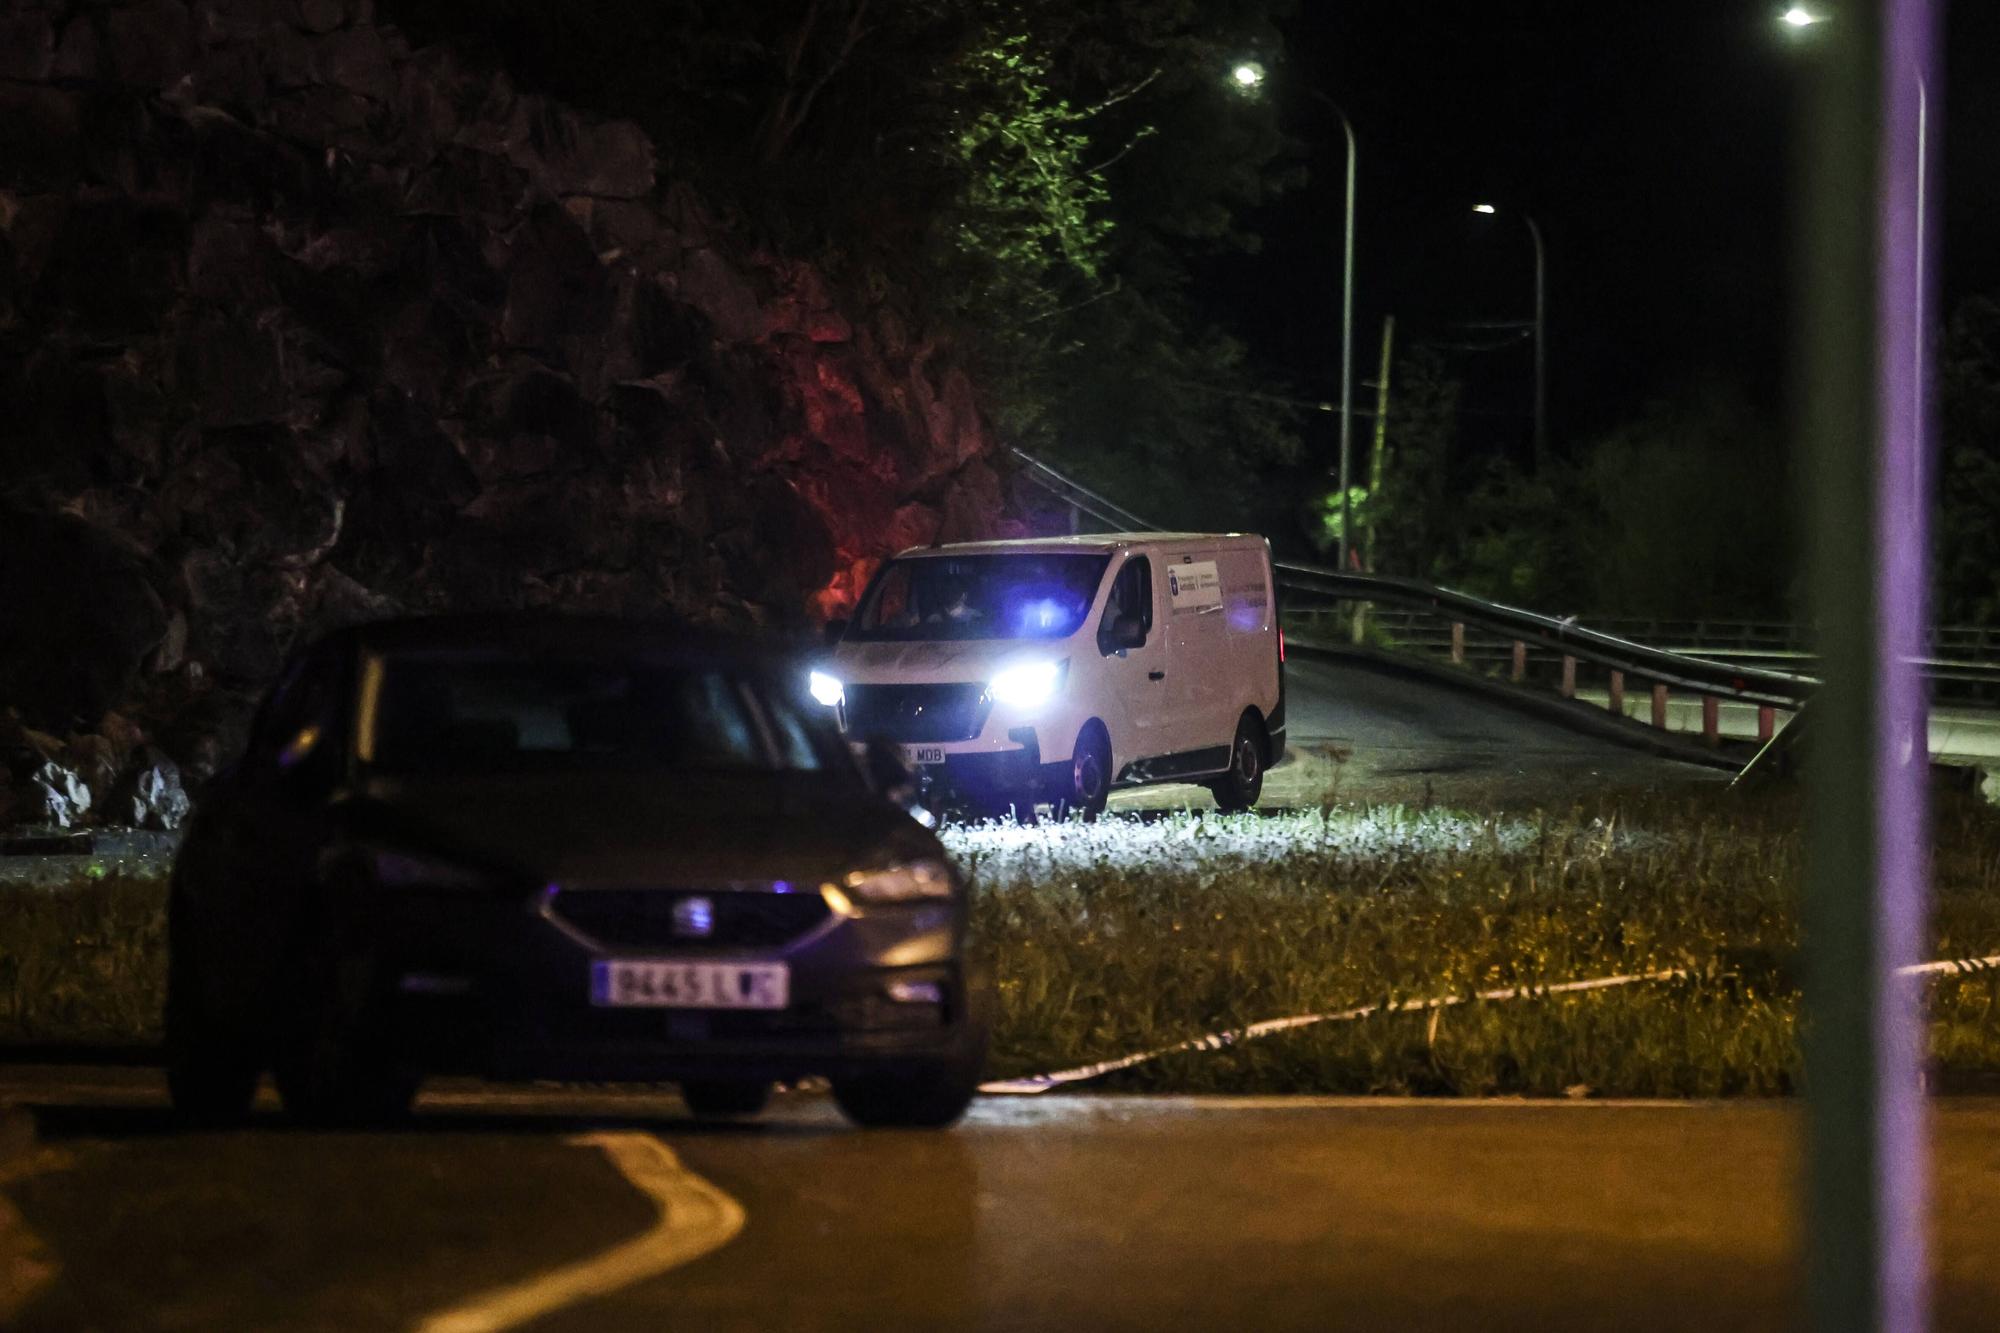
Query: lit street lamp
{"points": [[1541, 336], [1798, 16], [1249, 76]]}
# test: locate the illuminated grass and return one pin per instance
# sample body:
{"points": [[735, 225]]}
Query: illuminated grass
{"points": [[1205, 924], [1132, 935]]}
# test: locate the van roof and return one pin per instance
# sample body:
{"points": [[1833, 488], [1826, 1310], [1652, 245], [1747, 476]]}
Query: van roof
{"points": [[1088, 541]]}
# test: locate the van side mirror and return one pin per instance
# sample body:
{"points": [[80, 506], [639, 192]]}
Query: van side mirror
{"points": [[834, 629], [1120, 635]]}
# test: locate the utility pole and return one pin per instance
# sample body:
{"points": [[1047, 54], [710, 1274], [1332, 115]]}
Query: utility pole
{"points": [[1863, 234], [1347, 347], [1378, 460], [1541, 349], [1375, 467]]}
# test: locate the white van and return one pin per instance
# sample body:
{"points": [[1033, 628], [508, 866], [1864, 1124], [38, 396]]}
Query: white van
{"points": [[1055, 670]]}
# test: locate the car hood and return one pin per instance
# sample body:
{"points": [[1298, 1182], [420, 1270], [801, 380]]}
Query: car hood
{"points": [[639, 829], [938, 663]]}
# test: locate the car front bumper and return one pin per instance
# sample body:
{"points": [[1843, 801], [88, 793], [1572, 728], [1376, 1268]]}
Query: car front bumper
{"points": [[503, 991]]}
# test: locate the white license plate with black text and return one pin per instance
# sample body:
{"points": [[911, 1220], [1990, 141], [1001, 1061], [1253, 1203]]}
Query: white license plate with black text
{"points": [[923, 754], [646, 983]]}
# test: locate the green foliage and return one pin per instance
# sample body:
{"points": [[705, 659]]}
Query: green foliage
{"points": [[1683, 512], [1028, 179]]}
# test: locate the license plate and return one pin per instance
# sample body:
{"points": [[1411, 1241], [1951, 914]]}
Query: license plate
{"points": [[644, 983], [923, 754]]}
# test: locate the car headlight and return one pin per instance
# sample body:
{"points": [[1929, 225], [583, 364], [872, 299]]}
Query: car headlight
{"points": [[826, 689], [402, 870], [1027, 684], [906, 883]]}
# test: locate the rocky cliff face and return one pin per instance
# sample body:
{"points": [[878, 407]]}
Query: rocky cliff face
{"points": [[299, 325]]}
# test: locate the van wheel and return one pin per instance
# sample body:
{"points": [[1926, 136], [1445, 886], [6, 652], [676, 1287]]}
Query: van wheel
{"points": [[1089, 782], [1238, 788]]}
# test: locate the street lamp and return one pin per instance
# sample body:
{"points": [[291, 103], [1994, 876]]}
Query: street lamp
{"points": [[1346, 341], [1541, 336], [1249, 75], [1798, 16]]}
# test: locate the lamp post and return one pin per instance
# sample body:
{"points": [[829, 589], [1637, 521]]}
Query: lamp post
{"points": [[1541, 335], [1346, 341]]}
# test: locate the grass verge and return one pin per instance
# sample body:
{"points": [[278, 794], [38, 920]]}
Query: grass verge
{"points": [[1131, 935]]}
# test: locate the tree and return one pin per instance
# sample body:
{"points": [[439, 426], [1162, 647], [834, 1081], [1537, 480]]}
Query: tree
{"points": [[1030, 179]]}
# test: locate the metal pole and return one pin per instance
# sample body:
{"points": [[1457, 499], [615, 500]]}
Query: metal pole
{"points": [[1347, 348], [1860, 410], [1541, 348]]}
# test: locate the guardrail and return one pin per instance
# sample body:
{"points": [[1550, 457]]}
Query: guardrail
{"points": [[1710, 676], [1623, 660]]}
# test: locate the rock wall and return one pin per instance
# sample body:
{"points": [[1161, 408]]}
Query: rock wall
{"points": [[300, 325]]}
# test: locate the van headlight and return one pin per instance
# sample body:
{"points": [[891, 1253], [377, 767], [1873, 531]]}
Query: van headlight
{"points": [[826, 689], [906, 883], [1027, 684]]}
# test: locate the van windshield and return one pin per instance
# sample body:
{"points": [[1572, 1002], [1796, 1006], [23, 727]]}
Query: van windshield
{"points": [[928, 598]]}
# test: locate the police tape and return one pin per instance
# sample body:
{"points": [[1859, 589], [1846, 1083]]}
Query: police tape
{"points": [[1218, 1041]]}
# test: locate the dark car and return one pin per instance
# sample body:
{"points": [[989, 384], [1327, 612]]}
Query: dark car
{"points": [[554, 848]]}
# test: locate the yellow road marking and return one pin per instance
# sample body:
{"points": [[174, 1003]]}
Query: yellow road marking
{"points": [[695, 1219]]}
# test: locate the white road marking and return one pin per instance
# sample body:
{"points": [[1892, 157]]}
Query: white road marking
{"points": [[1035, 1084], [695, 1218]]}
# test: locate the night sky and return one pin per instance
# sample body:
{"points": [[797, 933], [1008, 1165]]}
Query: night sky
{"points": [[1656, 145]]}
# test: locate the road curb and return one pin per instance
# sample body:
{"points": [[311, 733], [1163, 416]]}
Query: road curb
{"points": [[1567, 713]]}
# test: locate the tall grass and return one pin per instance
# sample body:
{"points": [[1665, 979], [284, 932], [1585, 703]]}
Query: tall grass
{"points": [[83, 962], [1209, 923], [1135, 934]]}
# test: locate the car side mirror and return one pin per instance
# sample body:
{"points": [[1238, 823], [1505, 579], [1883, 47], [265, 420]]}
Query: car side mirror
{"points": [[834, 629], [882, 760]]}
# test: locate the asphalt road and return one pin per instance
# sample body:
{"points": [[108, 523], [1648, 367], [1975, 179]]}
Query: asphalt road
{"points": [[1071, 1212], [1360, 730], [609, 1209]]}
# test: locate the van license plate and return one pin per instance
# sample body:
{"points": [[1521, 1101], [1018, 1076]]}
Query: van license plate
{"points": [[923, 754], [646, 983]]}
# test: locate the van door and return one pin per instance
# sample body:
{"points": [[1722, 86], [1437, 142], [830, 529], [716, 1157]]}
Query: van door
{"points": [[1202, 689], [1136, 677]]}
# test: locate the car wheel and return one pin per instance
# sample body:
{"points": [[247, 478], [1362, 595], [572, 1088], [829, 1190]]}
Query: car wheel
{"points": [[925, 1094], [1238, 788], [334, 1066], [211, 1070], [720, 1098], [1089, 784]]}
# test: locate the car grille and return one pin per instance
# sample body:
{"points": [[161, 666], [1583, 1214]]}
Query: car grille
{"points": [[913, 713], [645, 918]]}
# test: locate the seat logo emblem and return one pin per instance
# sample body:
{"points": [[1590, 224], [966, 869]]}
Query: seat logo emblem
{"points": [[694, 918]]}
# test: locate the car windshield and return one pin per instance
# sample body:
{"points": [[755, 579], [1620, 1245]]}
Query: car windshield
{"points": [[979, 597], [458, 714]]}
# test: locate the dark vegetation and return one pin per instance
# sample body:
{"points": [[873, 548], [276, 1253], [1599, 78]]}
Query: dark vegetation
{"points": [[1034, 176], [1690, 510]]}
